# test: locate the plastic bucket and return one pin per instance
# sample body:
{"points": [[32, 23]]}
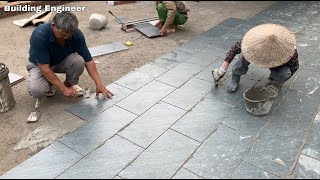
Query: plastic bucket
{"points": [[98, 21], [259, 100], [7, 101]]}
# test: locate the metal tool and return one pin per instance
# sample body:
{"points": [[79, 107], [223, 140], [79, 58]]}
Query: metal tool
{"points": [[35, 115], [115, 17]]}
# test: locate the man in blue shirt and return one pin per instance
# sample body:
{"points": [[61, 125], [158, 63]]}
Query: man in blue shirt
{"points": [[60, 47]]}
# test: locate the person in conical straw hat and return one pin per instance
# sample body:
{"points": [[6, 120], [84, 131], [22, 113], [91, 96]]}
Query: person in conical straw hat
{"points": [[267, 46]]}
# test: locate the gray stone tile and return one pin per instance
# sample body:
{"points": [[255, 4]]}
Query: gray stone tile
{"points": [[225, 42], [215, 32], [307, 82], [46, 164], [312, 147], [202, 120], [148, 29], [206, 56], [177, 55], [102, 127], [92, 106], [206, 74], [107, 49], [220, 154], [219, 93], [188, 95], [295, 27], [196, 44], [275, 149], [165, 63], [141, 100], [257, 20], [231, 22], [180, 74], [242, 121], [105, 162], [185, 174], [162, 159], [309, 37], [142, 76], [297, 110], [150, 125], [240, 30], [247, 171], [307, 168]]}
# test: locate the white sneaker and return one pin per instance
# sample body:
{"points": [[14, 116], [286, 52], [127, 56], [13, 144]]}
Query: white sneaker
{"points": [[78, 89], [52, 91]]}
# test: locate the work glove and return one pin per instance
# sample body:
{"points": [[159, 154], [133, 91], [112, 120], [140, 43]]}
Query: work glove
{"points": [[218, 73]]}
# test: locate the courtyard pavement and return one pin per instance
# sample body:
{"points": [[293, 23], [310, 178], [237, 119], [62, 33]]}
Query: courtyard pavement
{"points": [[167, 120]]}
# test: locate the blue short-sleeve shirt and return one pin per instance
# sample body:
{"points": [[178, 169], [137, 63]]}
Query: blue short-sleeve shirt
{"points": [[45, 50]]}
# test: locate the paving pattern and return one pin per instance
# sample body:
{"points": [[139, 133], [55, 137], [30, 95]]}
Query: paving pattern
{"points": [[167, 120]]}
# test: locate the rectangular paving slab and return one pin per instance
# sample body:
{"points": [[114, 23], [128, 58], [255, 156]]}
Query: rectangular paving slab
{"points": [[150, 125], [142, 76], [162, 159], [307, 168], [180, 74], [243, 121], [202, 120], [105, 162], [247, 171], [206, 56], [196, 44], [177, 55], [312, 147], [307, 82], [231, 22], [297, 110], [188, 95], [148, 29], [276, 149], [93, 134], [107, 49], [143, 99], [92, 106], [220, 154], [240, 30], [46, 164], [215, 32], [165, 63]]}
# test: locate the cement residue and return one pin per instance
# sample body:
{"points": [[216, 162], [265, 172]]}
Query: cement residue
{"points": [[39, 138]]}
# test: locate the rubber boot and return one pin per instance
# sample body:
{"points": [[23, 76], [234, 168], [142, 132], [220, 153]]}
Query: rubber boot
{"points": [[233, 85]]}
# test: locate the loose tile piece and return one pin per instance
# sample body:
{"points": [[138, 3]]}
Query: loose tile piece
{"points": [[107, 49], [307, 168]]}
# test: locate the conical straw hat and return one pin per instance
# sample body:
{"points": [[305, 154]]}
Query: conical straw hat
{"points": [[268, 45]]}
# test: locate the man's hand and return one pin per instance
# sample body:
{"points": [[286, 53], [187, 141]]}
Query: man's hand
{"points": [[158, 24], [218, 73], [102, 89], [164, 31], [69, 92]]}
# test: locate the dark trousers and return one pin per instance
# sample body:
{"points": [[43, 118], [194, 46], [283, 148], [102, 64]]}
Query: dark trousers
{"points": [[278, 74]]}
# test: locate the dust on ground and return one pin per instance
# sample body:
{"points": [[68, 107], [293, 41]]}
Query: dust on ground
{"points": [[21, 140]]}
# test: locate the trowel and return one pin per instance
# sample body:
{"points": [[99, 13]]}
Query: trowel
{"points": [[35, 115]]}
